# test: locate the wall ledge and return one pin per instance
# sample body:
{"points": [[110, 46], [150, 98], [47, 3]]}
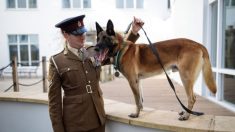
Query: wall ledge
{"points": [[149, 118]]}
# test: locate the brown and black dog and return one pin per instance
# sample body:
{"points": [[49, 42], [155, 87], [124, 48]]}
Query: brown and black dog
{"points": [[136, 61]]}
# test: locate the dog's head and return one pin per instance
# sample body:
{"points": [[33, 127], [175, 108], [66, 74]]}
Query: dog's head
{"points": [[107, 41]]}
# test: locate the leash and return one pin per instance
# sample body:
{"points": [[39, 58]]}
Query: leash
{"points": [[155, 52]]}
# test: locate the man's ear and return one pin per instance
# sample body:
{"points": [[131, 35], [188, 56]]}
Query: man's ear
{"points": [[110, 28], [98, 28]]}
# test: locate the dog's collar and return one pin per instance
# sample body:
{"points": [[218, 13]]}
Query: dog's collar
{"points": [[117, 58]]}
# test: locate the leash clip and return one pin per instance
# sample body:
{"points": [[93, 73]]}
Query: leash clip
{"points": [[116, 74]]}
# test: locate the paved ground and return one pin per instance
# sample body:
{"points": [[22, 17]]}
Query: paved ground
{"points": [[157, 94]]}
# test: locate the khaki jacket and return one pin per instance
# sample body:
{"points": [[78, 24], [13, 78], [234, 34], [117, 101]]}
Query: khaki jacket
{"points": [[81, 107]]}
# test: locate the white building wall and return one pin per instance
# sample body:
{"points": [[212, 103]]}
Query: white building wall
{"points": [[187, 22], [41, 21], [185, 19]]}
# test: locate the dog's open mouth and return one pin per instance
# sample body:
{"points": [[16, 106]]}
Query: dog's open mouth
{"points": [[101, 56]]}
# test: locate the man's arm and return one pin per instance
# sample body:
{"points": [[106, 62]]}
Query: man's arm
{"points": [[136, 26], [55, 98], [132, 37]]}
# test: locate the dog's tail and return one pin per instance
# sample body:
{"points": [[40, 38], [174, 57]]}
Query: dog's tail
{"points": [[207, 71]]}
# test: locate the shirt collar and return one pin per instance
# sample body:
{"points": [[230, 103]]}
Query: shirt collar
{"points": [[73, 50]]}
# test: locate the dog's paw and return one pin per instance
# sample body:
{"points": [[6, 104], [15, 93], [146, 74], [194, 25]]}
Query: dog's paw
{"points": [[133, 115], [181, 113], [184, 116], [141, 107], [181, 118]]}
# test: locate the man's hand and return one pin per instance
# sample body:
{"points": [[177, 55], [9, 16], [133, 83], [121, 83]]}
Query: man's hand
{"points": [[136, 25]]}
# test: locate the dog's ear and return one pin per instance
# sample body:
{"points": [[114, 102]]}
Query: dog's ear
{"points": [[98, 28], [110, 28]]}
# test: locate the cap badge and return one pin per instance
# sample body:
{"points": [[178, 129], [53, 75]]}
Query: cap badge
{"points": [[79, 24]]}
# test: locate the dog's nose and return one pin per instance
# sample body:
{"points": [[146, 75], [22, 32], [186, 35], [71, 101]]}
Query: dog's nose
{"points": [[97, 49]]}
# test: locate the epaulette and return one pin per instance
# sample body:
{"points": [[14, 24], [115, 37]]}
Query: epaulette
{"points": [[53, 61]]}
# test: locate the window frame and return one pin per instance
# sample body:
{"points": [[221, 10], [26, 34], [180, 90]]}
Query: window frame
{"points": [[18, 44], [16, 3], [71, 4], [218, 70], [123, 5]]}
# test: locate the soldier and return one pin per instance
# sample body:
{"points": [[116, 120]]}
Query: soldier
{"points": [[82, 106]]}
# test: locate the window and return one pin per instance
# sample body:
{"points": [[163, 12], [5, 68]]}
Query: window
{"points": [[228, 38], [169, 4], [228, 86], [11, 4], [66, 4], [233, 3], [226, 2], [139, 3], [32, 3], [86, 4], [21, 4], [76, 4], [229, 3], [120, 3], [129, 3], [25, 47], [222, 49]]}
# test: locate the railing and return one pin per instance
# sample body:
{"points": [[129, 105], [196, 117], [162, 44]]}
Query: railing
{"points": [[15, 72]]}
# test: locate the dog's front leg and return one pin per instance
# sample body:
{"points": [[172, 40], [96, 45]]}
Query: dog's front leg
{"points": [[134, 84]]}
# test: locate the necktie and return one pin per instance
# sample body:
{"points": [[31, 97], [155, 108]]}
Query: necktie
{"points": [[82, 54]]}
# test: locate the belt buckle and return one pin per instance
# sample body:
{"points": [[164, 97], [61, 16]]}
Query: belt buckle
{"points": [[88, 88]]}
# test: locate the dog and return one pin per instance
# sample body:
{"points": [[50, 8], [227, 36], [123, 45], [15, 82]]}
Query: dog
{"points": [[136, 61]]}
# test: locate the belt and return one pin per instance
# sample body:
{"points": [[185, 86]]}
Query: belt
{"points": [[85, 89]]}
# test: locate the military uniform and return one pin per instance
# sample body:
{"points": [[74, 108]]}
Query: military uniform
{"points": [[80, 107], [83, 106]]}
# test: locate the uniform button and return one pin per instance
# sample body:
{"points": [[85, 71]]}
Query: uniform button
{"points": [[86, 72], [68, 69], [89, 81]]}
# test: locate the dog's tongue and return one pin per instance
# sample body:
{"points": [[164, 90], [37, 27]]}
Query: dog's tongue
{"points": [[102, 55]]}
